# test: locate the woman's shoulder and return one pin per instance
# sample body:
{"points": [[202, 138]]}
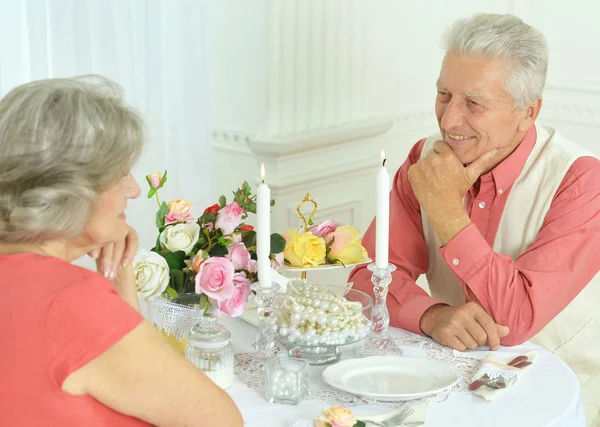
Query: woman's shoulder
{"points": [[46, 274]]}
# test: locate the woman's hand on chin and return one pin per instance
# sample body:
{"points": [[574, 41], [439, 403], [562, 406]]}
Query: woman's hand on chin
{"points": [[113, 260], [113, 256]]}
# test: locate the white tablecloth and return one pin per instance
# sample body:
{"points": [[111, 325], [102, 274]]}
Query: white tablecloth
{"points": [[549, 394]]}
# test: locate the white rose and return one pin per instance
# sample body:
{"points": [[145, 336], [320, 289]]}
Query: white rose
{"points": [[180, 237], [151, 274]]}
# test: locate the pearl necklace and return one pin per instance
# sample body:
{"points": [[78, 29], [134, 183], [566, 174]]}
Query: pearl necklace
{"points": [[311, 315]]}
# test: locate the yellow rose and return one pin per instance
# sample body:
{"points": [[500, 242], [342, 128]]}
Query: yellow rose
{"points": [[303, 249], [347, 246]]}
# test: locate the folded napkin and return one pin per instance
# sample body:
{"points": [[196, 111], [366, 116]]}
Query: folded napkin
{"points": [[416, 418], [499, 372]]}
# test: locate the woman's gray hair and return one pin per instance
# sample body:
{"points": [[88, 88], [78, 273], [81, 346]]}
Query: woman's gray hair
{"points": [[62, 143], [506, 37]]}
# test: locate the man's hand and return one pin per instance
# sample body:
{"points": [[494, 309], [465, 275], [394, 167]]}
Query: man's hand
{"points": [[465, 326], [440, 178], [440, 182], [113, 256]]}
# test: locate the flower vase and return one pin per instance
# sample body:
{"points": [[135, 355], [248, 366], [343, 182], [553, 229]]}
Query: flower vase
{"points": [[174, 317]]}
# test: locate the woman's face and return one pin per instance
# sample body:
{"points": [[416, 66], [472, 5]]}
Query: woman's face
{"points": [[107, 223]]}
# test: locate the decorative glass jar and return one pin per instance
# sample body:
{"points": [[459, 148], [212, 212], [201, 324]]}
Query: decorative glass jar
{"points": [[211, 351]]}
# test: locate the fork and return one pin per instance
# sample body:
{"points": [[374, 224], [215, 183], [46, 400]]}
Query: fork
{"points": [[395, 420]]}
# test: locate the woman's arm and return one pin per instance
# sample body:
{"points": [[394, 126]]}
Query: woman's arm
{"points": [[143, 376]]}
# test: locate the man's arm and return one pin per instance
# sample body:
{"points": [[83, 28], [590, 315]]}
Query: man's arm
{"points": [[527, 294], [408, 252]]}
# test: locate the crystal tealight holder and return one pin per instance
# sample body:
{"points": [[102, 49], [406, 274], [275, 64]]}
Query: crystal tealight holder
{"points": [[378, 342], [252, 374], [286, 380]]}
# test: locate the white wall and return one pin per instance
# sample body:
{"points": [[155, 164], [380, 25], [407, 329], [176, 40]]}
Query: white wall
{"points": [[155, 49], [346, 78]]}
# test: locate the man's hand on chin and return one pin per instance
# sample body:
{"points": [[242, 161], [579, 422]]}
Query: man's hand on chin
{"points": [[466, 326], [440, 181]]}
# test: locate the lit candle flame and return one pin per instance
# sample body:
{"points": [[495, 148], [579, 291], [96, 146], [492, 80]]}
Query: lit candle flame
{"points": [[262, 172], [383, 158]]}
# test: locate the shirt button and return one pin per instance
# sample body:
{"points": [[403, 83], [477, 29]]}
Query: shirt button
{"points": [[500, 191], [482, 205], [455, 261]]}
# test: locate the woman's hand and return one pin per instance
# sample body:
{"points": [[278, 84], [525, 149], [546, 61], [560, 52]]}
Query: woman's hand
{"points": [[113, 260], [111, 257]]}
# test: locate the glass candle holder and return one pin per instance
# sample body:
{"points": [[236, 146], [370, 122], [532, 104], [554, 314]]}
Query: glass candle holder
{"points": [[286, 380]]}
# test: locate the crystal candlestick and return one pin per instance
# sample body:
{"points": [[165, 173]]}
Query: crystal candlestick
{"points": [[252, 373], [379, 343]]}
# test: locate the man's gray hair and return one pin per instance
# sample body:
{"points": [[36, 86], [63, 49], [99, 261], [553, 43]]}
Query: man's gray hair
{"points": [[523, 48], [62, 143]]}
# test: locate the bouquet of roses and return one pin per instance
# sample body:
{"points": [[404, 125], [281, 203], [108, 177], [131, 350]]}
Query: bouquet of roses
{"points": [[326, 242], [213, 255]]}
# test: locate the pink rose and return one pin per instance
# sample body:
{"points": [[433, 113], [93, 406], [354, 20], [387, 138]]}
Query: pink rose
{"points": [[277, 263], [215, 279], [337, 416], [240, 279], [324, 228], [196, 262], [347, 246], [229, 218], [179, 211], [239, 256], [234, 306], [154, 180], [253, 267]]}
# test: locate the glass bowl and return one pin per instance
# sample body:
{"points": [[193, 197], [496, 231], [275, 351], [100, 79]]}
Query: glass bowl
{"points": [[312, 321]]}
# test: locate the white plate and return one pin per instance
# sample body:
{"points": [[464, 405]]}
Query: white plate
{"points": [[390, 378], [324, 266]]}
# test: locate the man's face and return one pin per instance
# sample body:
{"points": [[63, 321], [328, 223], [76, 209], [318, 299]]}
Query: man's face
{"points": [[474, 112]]}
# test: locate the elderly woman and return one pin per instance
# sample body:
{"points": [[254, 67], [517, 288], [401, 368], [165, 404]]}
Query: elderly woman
{"points": [[75, 350]]}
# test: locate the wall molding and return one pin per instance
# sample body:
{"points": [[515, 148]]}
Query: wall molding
{"points": [[232, 140], [285, 145], [567, 112]]}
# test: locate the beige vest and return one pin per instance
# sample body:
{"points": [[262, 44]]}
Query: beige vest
{"points": [[573, 335]]}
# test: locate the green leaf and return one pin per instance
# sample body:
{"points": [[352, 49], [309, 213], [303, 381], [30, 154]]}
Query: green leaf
{"points": [[160, 215], [175, 260], [171, 292], [246, 187], [189, 285], [208, 217], [272, 202], [151, 192], [249, 238], [163, 180], [359, 424], [328, 246], [178, 279], [277, 243], [335, 261], [157, 246], [223, 241], [222, 201], [218, 250], [310, 222], [204, 303]]}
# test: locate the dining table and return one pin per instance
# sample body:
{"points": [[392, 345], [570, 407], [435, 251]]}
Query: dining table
{"points": [[547, 395]]}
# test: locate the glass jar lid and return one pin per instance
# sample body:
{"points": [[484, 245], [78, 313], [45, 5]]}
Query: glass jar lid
{"points": [[209, 333]]}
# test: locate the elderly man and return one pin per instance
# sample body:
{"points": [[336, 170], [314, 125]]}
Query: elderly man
{"points": [[501, 213]]}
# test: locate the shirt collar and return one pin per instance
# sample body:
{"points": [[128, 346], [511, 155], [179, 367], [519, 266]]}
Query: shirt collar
{"points": [[506, 173]]}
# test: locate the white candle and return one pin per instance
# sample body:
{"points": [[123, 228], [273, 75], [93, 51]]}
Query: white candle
{"points": [[382, 222], [263, 231]]}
